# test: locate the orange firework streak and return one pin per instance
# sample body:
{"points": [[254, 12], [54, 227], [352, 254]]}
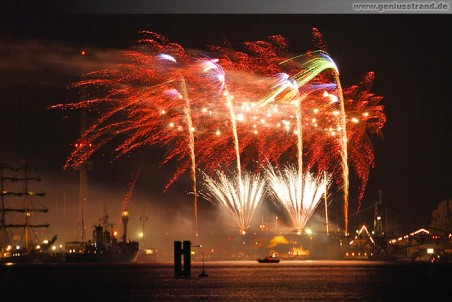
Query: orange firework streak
{"points": [[128, 195]]}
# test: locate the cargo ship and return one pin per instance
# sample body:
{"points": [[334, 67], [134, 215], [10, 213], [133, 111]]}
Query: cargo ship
{"points": [[104, 246]]}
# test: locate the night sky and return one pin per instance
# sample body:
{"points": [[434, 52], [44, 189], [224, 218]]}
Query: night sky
{"points": [[410, 55]]}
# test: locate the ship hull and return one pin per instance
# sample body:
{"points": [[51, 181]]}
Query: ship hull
{"points": [[114, 252], [34, 258], [101, 257]]}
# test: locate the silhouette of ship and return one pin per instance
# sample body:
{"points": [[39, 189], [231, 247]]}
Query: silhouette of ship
{"points": [[104, 246], [21, 246]]}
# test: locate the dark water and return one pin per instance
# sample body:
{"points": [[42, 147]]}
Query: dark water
{"points": [[229, 281]]}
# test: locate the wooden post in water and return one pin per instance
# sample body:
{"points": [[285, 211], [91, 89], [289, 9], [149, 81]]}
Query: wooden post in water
{"points": [[182, 250]]}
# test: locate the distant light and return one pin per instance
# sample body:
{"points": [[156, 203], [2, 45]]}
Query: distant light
{"points": [[38, 247], [45, 241], [53, 248], [83, 52], [378, 217], [430, 251], [308, 231]]}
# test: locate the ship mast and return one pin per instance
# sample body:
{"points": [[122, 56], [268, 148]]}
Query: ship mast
{"points": [[3, 193], [27, 210], [378, 224], [83, 167]]}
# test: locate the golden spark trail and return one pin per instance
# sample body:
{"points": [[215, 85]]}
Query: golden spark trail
{"points": [[300, 201], [240, 196], [237, 152], [191, 137], [299, 142], [344, 155], [310, 69], [234, 133], [191, 146]]}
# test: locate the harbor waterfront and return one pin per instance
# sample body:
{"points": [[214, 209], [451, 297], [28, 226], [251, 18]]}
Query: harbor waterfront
{"points": [[230, 281], [225, 158]]}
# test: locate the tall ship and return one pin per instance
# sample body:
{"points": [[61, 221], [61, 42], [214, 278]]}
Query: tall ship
{"points": [[19, 218]]}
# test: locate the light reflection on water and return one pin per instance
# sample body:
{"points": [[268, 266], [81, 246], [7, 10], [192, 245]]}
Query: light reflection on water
{"points": [[232, 281]]}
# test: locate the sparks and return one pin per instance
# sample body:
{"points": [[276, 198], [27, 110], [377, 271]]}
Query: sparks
{"points": [[298, 194], [264, 105]]}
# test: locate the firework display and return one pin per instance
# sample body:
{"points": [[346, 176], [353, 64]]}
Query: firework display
{"points": [[299, 194], [236, 109], [241, 195]]}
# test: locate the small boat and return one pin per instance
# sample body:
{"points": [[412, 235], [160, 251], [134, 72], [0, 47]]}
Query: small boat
{"points": [[269, 259]]}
